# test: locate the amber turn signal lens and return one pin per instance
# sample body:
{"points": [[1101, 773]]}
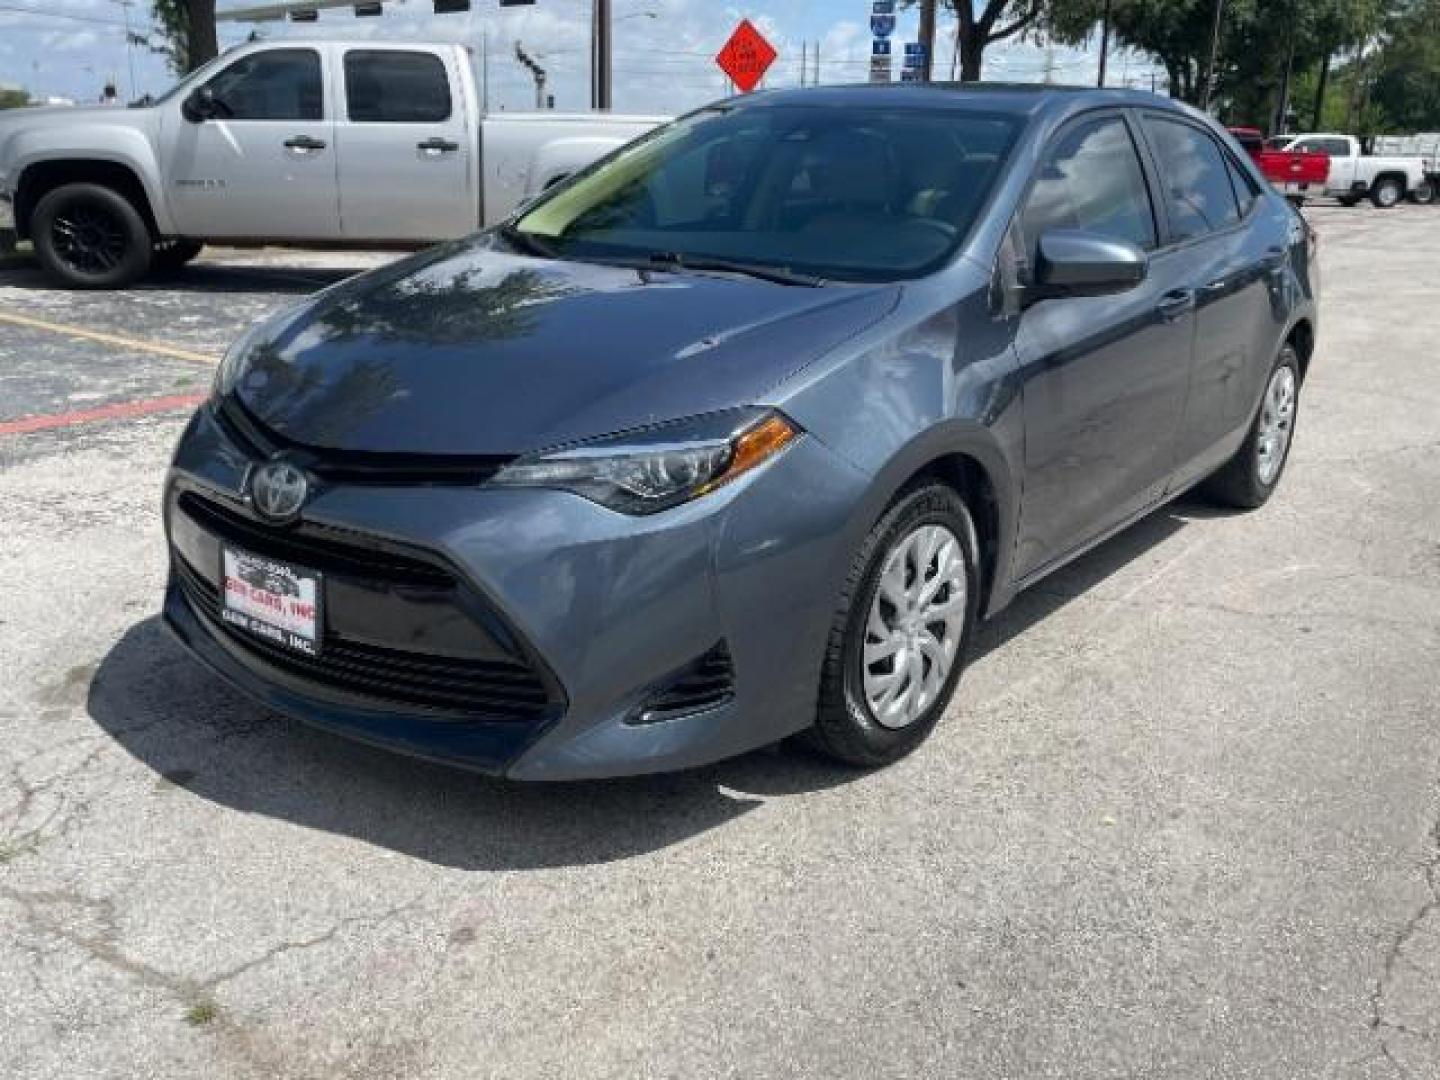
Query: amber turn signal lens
{"points": [[755, 446]]}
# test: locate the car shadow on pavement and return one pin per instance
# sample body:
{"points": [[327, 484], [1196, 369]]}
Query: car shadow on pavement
{"points": [[198, 733], [201, 278]]}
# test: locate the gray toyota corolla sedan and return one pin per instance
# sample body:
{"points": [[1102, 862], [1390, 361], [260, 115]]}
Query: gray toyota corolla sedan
{"points": [[737, 434]]}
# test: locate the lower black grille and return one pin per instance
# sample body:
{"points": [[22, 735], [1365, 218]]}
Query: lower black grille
{"points": [[703, 684], [493, 690]]}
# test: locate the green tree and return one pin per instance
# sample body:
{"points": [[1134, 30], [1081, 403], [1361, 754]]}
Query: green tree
{"points": [[186, 33], [980, 25], [1405, 91], [12, 97]]}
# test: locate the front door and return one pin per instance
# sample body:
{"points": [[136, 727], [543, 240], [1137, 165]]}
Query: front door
{"points": [[263, 166], [404, 144], [1105, 376]]}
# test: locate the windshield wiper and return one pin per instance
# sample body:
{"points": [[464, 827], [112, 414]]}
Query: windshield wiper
{"points": [[781, 275], [527, 242]]}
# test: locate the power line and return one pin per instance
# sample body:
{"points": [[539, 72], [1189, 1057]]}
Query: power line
{"points": [[18, 9]]}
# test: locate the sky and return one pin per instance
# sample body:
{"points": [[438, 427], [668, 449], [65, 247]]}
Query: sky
{"points": [[663, 49]]}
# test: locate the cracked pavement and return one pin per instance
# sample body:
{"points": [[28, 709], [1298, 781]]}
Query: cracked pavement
{"points": [[1182, 821]]}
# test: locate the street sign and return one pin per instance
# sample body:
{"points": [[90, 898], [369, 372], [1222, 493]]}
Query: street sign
{"points": [[914, 52], [879, 69], [746, 56], [883, 7], [880, 47], [882, 26]]}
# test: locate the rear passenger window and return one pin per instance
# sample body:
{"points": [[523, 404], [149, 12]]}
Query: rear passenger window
{"points": [[1091, 179], [1245, 190], [278, 84], [385, 87], [1196, 179]]}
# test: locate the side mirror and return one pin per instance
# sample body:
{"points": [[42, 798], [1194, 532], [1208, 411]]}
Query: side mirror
{"points": [[199, 105], [1072, 262]]}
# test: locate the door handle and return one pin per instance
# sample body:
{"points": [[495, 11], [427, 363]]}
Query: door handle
{"points": [[1175, 304], [437, 146], [304, 142]]}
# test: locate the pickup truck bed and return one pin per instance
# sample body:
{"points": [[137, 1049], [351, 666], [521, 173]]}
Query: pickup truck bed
{"points": [[1297, 175]]}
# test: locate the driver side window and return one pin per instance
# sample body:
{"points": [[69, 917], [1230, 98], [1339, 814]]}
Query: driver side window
{"points": [[1091, 179], [279, 84]]}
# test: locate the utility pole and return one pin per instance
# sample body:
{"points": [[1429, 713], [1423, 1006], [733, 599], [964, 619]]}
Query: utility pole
{"points": [[125, 6], [600, 55], [804, 59], [1205, 91], [1104, 41], [927, 38], [535, 70], [1282, 115]]}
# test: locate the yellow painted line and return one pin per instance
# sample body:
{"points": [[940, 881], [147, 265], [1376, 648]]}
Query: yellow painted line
{"points": [[157, 347]]}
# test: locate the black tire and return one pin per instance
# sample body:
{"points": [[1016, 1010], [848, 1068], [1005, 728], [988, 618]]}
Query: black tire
{"points": [[1424, 194], [90, 237], [1349, 200], [1238, 483], [845, 727], [1387, 193], [171, 255]]}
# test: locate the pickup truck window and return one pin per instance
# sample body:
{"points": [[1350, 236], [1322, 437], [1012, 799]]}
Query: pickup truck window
{"points": [[1333, 147], [1091, 179], [395, 87], [1196, 179], [854, 195], [278, 84]]}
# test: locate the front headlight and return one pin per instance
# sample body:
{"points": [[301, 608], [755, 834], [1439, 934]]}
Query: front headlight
{"points": [[644, 472]]}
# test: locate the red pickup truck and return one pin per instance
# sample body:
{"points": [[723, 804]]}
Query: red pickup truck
{"points": [[1294, 173]]}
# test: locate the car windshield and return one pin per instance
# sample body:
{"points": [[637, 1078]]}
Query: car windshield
{"points": [[838, 194]]}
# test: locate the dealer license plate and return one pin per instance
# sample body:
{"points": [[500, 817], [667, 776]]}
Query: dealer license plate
{"points": [[273, 600]]}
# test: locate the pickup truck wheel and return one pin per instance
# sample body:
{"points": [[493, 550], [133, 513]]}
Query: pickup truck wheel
{"points": [[173, 254], [1424, 194], [1348, 200], [90, 237], [1248, 479], [1387, 193]]}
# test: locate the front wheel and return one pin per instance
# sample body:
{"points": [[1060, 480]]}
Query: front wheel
{"points": [[899, 640], [171, 255], [90, 237], [1249, 479]]}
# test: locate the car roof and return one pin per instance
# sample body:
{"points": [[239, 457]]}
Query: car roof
{"points": [[1021, 99]]}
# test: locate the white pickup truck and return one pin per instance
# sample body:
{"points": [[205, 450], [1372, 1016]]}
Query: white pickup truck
{"points": [[299, 141], [1385, 181]]}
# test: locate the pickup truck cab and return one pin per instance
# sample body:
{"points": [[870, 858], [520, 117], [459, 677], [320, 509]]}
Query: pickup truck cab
{"points": [[1386, 181], [1296, 174], [310, 141]]}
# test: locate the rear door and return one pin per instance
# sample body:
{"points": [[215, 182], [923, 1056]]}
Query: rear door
{"points": [[1233, 255], [265, 165], [1105, 376], [404, 146]]}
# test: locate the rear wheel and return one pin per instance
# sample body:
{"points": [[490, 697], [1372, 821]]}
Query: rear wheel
{"points": [[90, 237], [1249, 479], [898, 642], [1424, 193], [1349, 200], [1387, 192]]}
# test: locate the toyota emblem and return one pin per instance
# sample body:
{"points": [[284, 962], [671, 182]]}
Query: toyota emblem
{"points": [[278, 490]]}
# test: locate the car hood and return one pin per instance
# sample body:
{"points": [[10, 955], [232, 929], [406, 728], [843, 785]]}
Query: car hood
{"points": [[471, 349]]}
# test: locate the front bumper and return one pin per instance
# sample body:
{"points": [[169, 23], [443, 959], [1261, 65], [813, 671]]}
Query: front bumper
{"points": [[610, 610]]}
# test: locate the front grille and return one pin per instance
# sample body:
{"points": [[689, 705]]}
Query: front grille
{"points": [[314, 546], [492, 690], [703, 684], [356, 466]]}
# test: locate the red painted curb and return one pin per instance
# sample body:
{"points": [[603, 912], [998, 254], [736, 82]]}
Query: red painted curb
{"points": [[119, 411]]}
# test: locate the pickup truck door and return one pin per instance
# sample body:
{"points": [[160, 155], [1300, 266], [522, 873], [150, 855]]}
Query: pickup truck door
{"points": [[404, 140], [1105, 376], [264, 165], [1343, 160], [1234, 256]]}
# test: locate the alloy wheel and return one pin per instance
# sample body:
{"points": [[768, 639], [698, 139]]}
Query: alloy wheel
{"points": [[88, 238], [1277, 422], [915, 625]]}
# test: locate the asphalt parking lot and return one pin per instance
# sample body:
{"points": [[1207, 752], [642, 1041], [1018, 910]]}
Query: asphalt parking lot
{"points": [[1183, 820]]}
